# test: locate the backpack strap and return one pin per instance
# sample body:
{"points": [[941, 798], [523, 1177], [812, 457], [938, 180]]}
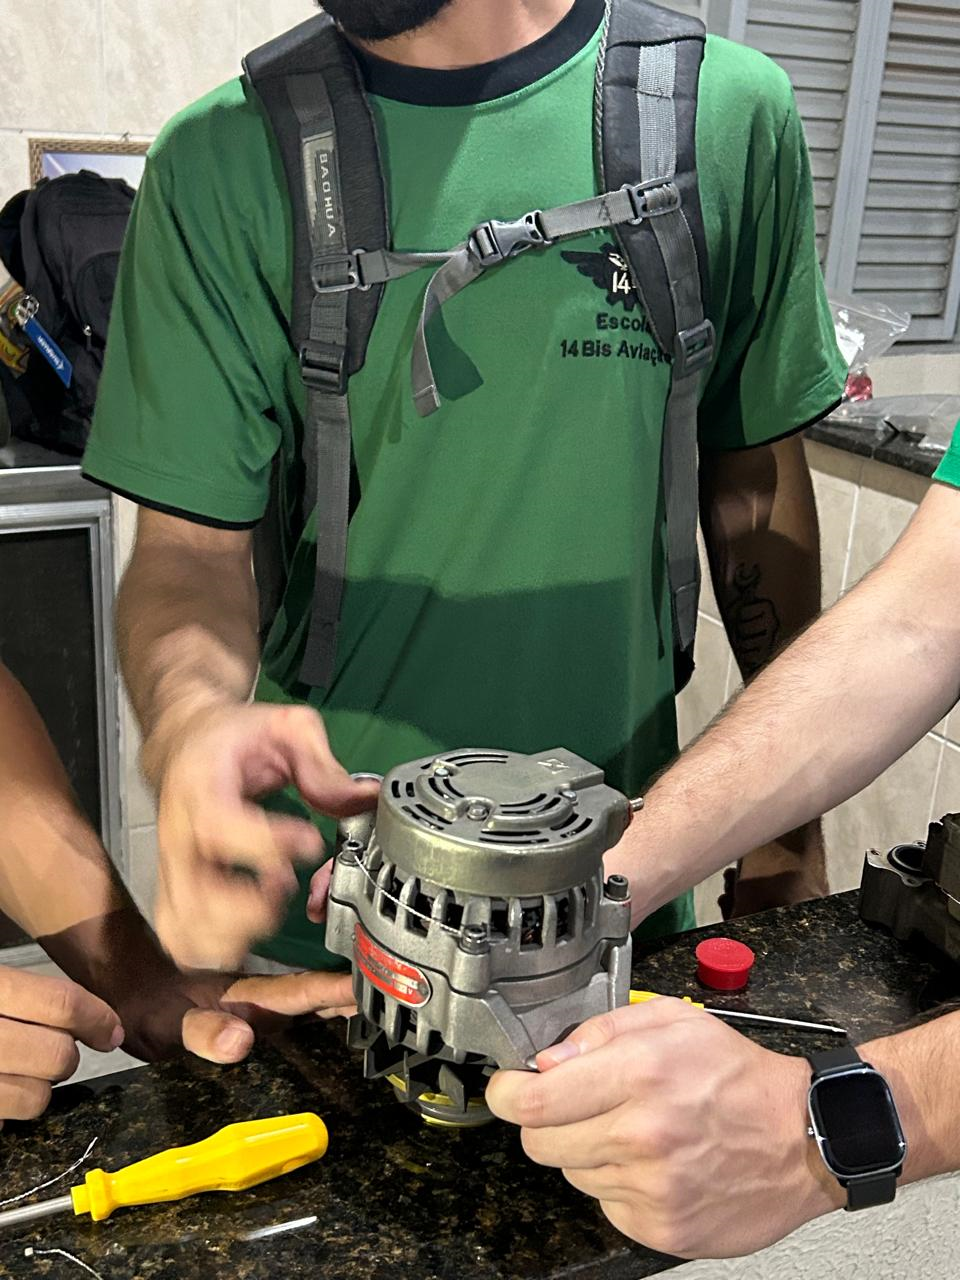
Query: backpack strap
{"points": [[310, 87], [647, 85], [489, 245]]}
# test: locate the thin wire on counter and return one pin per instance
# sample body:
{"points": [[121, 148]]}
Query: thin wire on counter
{"points": [[25, 1195]]}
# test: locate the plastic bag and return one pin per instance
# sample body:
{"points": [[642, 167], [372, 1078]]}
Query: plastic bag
{"points": [[928, 420], [866, 330]]}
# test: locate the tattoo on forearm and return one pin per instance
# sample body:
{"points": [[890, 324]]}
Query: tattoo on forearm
{"points": [[752, 619]]}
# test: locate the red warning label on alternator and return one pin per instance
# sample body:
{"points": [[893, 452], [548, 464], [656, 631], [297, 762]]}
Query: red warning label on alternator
{"points": [[394, 977]]}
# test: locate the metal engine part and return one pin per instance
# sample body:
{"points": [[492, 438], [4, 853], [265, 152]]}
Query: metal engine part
{"points": [[914, 889], [475, 912]]}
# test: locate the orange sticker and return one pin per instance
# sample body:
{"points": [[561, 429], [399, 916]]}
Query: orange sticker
{"points": [[394, 977]]}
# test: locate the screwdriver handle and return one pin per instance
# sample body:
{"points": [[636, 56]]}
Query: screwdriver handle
{"points": [[237, 1157], [641, 997]]}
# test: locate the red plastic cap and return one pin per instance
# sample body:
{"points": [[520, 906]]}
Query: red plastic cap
{"points": [[724, 964]]}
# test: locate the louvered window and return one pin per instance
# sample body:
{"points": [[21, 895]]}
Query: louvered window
{"points": [[878, 86], [814, 42], [909, 251]]}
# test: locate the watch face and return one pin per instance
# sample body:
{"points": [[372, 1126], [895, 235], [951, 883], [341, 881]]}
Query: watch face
{"points": [[856, 1122]]}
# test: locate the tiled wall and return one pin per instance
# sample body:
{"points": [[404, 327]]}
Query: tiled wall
{"points": [[864, 506], [110, 68]]}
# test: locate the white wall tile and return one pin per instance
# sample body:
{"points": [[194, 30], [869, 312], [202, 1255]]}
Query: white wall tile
{"points": [[894, 482], [895, 808], [14, 164], [708, 599], [142, 872], [704, 695], [833, 462], [881, 517], [947, 797], [163, 54], [259, 20], [916, 374], [55, 68], [125, 532], [836, 502], [705, 898], [140, 808]]}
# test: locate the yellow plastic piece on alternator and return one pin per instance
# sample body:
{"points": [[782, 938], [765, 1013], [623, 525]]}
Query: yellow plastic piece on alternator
{"points": [[239, 1156]]}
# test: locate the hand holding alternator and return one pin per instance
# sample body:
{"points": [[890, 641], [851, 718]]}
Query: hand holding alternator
{"points": [[674, 1122]]}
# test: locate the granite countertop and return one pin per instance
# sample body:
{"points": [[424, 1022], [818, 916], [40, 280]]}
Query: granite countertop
{"points": [[873, 437], [394, 1199]]}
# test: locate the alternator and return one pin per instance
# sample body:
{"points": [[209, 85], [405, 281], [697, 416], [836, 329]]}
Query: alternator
{"points": [[477, 919]]}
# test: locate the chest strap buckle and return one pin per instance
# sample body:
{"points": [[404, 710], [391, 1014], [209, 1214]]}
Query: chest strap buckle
{"points": [[493, 242]]}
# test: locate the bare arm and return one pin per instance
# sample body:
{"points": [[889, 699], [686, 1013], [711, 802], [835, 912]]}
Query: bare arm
{"points": [[820, 723], [762, 537], [54, 873], [187, 620], [922, 1067], [187, 626]]}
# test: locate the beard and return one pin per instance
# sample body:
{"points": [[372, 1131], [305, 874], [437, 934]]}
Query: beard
{"points": [[382, 19]]}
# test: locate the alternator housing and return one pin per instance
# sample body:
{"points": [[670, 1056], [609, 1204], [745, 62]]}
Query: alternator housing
{"points": [[475, 910]]}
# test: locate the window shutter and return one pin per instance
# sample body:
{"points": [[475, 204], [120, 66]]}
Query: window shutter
{"points": [[909, 248], [814, 41]]}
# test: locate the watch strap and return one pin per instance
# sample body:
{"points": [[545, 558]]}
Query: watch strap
{"points": [[869, 1191], [825, 1064]]}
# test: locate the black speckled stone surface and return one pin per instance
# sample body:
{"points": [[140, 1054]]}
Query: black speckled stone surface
{"points": [[882, 443], [394, 1200]]}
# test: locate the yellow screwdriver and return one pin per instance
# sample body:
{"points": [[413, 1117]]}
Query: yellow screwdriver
{"points": [[235, 1158], [641, 997]]}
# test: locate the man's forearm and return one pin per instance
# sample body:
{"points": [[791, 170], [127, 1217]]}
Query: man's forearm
{"points": [[53, 869], [922, 1067], [762, 536], [820, 723], [56, 880], [187, 626]]}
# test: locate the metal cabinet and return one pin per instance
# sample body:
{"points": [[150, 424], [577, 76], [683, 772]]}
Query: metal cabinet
{"points": [[56, 631]]}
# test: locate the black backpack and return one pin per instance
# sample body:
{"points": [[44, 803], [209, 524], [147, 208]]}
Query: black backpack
{"points": [[645, 136], [61, 241]]}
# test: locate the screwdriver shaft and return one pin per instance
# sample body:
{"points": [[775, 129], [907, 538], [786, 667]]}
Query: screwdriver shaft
{"points": [[779, 1022], [30, 1212]]}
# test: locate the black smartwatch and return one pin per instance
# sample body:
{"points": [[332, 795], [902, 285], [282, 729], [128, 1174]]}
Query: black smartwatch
{"points": [[854, 1120]]}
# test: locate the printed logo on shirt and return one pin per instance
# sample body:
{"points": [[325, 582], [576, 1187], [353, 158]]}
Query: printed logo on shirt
{"points": [[609, 272], [623, 335]]}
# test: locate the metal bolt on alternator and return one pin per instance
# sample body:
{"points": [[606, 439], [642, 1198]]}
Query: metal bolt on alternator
{"points": [[474, 939], [617, 888], [478, 812], [351, 850]]}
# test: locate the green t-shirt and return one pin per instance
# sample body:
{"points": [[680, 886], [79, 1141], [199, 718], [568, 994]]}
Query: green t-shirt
{"points": [[506, 578], [949, 469]]}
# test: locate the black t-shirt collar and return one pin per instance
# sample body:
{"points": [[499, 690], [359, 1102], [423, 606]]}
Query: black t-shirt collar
{"points": [[489, 80]]}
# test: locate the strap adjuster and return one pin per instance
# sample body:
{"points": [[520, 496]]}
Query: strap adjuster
{"points": [[652, 199], [493, 242], [323, 367], [694, 349], [337, 273]]}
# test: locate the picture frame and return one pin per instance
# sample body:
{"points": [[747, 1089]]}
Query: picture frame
{"points": [[50, 157]]}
